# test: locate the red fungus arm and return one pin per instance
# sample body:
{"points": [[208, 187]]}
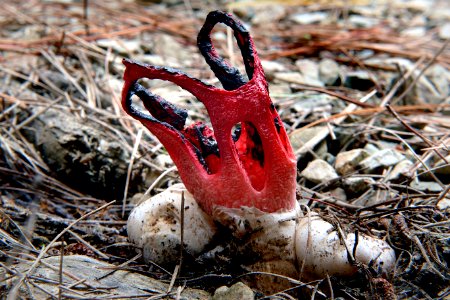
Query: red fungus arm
{"points": [[253, 167]]}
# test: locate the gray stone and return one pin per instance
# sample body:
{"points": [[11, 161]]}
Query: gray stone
{"points": [[236, 291], [443, 168], [89, 272], [279, 90], [358, 184], [415, 5], [362, 21], [426, 186], [319, 171], [122, 46], [268, 14], [310, 71], [272, 67], [328, 71], [291, 77], [439, 78], [347, 161], [309, 101], [74, 147], [371, 148], [400, 170], [414, 32], [338, 193], [359, 80], [172, 51], [381, 159], [443, 204], [151, 59], [444, 31], [309, 18], [299, 138]]}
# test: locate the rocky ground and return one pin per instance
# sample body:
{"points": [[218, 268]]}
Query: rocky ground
{"points": [[361, 86]]}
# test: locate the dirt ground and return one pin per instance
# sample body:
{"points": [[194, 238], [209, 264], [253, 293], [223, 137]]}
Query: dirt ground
{"points": [[370, 76]]}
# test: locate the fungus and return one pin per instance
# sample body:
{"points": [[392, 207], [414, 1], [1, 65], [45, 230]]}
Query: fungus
{"points": [[242, 172]]}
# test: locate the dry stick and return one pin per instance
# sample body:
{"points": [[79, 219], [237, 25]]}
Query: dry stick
{"points": [[411, 235], [130, 168], [319, 136], [345, 98], [369, 111], [408, 127], [85, 15], [91, 87], [443, 194], [50, 267], [177, 269], [115, 99], [60, 271], [18, 228], [120, 266], [34, 116], [15, 289], [400, 82], [174, 277], [50, 56], [432, 61], [95, 250], [412, 151], [157, 180], [182, 228]]}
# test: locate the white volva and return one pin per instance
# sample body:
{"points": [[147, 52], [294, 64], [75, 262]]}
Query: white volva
{"points": [[155, 226], [284, 242], [320, 250]]}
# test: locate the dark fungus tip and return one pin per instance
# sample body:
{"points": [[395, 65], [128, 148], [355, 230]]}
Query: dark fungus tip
{"points": [[229, 76]]}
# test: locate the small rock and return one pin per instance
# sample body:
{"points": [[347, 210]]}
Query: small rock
{"points": [[299, 138], [309, 18], [291, 77], [444, 204], [310, 71], [236, 291], [151, 59], [415, 5], [435, 87], [319, 171], [272, 67], [359, 80], [137, 198], [89, 272], [174, 94], [357, 185], [309, 101], [347, 161], [362, 21], [122, 46], [167, 47], [164, 160], [400, 170], [426, 186], [443, 168], [382, 158], [268, 14], [328, 71], [279, 90], [414, 32], [444, 31], [338, 193], [371, 148]]}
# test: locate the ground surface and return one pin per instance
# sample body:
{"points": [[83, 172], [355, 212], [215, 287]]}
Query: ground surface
{"points": [[344, 75]]}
